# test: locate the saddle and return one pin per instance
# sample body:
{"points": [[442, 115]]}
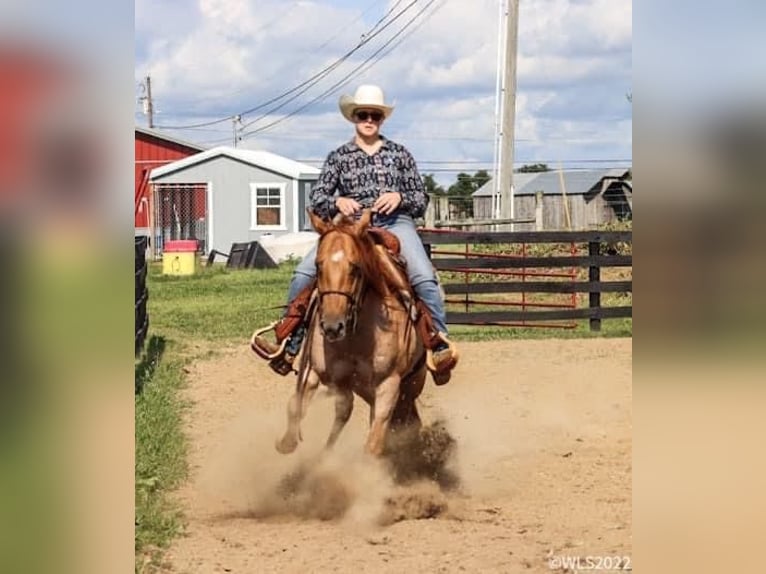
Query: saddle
{"points": [[389, 249]]}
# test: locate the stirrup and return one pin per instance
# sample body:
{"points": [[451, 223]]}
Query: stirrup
{"points": [[283, 365], [430, 355], [261, 351]]}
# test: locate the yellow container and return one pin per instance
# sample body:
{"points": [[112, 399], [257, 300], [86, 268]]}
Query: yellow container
{"points": [[179, 257]]}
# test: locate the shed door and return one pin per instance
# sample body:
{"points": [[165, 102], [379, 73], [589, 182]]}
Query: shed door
{"points": [[180, 212]]}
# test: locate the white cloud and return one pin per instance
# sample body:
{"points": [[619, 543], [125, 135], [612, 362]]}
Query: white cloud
{"points": [[220, 57]]}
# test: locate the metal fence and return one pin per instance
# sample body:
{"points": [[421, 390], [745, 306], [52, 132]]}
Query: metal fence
{"points": [[180, 212], [142, 294]]}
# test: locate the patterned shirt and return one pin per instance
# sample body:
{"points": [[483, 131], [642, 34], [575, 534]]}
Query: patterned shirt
{"points": [[350, 172]]}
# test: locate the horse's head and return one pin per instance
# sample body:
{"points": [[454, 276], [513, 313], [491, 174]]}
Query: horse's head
{"points": [[341, 263]]}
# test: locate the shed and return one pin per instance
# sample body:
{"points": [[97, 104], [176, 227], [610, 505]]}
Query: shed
{"points": [[593, 197], [153, 149], [248, 194]]}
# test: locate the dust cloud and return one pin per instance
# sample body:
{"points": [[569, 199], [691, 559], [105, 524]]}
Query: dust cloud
{"points": [[246, 477]]}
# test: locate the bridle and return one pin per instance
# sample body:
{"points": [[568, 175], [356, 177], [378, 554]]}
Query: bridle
{"points": [[354, 300]]}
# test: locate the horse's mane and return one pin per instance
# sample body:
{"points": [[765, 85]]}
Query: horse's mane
{"points": [[374, 272]]}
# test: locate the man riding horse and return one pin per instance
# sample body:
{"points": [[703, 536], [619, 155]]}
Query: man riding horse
{"points": [[368, 172]]}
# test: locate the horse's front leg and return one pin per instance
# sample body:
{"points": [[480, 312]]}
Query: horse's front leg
{"points": [[296, 410], [386, 397], [344, 404]]}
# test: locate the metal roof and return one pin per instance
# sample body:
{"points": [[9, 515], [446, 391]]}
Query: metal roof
{"points": [[576, 181], [519, 181], [257, 158], [166, 137]]}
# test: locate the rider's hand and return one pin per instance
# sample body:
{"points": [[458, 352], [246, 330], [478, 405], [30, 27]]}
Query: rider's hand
{"points": [[387, 202], [347, 205]]}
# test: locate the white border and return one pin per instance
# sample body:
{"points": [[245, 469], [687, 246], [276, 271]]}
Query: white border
{"points": [[210, 219], [282, 213]]}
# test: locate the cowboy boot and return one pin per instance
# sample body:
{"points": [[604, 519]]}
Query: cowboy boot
{"points": [[444, 360], [283, 364]]}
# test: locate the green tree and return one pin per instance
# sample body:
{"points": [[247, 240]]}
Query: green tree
{"points": [[466, 183], [463, 187], [431, 187], [481, 177], [533, 168]]}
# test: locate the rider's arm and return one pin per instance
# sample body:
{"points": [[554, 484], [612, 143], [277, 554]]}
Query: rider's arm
{"points": [[411, 188], [323, 193]]}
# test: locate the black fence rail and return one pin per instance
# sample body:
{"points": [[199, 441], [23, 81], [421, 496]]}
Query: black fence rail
{"points": [[142, 294], [502, 274]]}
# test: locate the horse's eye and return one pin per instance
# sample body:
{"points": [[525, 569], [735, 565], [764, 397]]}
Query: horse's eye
{"points": [[356, 270]]}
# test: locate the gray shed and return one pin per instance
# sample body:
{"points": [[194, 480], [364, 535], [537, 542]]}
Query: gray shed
{"points": [[593, 197], [227, 195]]}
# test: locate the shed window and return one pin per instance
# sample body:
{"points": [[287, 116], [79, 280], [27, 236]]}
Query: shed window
{"points": [[267, 206]]}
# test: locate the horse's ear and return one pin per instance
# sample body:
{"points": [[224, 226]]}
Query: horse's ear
{"points": [[364, 222], [319, 224]]}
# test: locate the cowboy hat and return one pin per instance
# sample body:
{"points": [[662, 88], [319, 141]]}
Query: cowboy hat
{"points": [[367, 97]]}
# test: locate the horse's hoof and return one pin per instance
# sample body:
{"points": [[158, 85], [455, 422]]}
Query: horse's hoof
{"points": [[286, 445]]}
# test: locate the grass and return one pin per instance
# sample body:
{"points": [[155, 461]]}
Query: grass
{"points": [[219, 306], [160, 446], [215, 305]]}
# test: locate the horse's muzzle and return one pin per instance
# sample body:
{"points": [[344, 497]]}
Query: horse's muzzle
{"points": [[333, 329]]}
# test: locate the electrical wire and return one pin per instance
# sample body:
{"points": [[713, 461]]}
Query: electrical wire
{"points": [[311, 82], [345, 80], [366, 38]]}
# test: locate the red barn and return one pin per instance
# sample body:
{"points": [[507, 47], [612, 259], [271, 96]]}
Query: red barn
{"points": [[154, 149]]}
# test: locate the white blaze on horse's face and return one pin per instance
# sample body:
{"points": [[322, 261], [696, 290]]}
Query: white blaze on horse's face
{"points": [[337, 257]]}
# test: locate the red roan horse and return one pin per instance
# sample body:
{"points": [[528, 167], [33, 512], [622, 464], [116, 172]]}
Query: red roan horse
{"points": [[361, 337]]}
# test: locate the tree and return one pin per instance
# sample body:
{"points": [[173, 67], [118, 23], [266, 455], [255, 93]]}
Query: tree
{"points": [[481, 177], [463, 187], [431, 187], [533, 168], [462, 190], [466, 183]]}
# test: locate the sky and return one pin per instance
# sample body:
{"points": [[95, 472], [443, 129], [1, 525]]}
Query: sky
{"points": [[437, 60]]}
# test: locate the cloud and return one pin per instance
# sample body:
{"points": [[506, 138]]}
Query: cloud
{"points": [[219, 57]]}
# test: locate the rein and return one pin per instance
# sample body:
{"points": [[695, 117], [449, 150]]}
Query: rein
{"points": [[353, 297]]}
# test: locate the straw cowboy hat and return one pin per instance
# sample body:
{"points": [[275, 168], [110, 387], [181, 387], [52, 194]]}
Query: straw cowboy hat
{"points": [[367, 97]]}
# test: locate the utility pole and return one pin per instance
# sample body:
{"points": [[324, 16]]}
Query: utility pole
{"points": [[509, 111], [147, 100], [234, 121]]}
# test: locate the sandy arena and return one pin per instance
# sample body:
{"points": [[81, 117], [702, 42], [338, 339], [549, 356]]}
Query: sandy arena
{"points": [[543, 459]]}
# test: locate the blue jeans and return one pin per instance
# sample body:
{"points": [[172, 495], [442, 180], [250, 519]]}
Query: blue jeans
{"points": [[419, 269]]}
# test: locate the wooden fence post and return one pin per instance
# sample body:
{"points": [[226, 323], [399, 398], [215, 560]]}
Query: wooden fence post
{"points": [[442, 209], [430, 215], [538, 211], [594, 275]]}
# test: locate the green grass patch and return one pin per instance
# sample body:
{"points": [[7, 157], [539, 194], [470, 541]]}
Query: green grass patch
{"points": [[160, 446], [216, 304]]}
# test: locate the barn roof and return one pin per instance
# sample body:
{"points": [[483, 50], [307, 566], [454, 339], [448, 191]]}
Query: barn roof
{"points": [[576, 181], [164, 136], [257, 158], [519, 181]]}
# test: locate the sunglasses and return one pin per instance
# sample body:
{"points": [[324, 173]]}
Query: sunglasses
{"points": [[363, 116]]}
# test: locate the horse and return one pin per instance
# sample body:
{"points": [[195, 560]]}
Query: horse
{"points": [[360, 338]]}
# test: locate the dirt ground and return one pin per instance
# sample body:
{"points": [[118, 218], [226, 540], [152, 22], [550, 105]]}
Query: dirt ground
{"points": [[543, 456]]}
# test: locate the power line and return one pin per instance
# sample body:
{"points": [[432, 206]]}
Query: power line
{"points": [[321, 75], [344, 80], [366, 38], [311, 51]]}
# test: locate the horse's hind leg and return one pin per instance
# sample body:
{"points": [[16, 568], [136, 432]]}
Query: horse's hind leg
{"points": [[296, 409], [344, 404]]}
